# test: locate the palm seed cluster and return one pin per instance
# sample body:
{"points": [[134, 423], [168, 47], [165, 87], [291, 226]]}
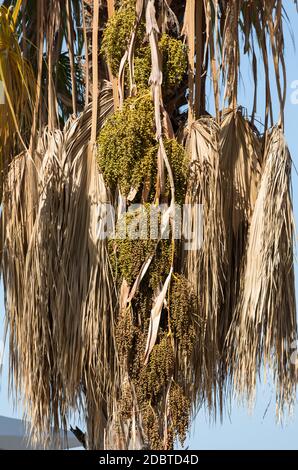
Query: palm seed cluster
{"points": [[127, 156], [117, 34], [128, 151], [174, 63]]}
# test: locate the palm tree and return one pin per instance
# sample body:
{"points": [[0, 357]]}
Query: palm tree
{"points": [[107, 101]]}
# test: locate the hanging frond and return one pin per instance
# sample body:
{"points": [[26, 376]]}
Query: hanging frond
{"points": [[265, 324], [59, 293], [204, 265], [240, 168]]}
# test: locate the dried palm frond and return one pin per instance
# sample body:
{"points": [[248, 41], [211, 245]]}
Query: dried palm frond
{"points": [[230, 50], [59, 292], [189, 31], [265, 323], [262, 25], [240, 169], [204, 266]]}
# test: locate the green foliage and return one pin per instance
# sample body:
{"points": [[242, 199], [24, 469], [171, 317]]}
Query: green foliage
{"points": [[125, 333], [155, 376], [178, 161], [151, 427], [151, 380], [124, 141], [142, 67], [128, 254], [116, 39], [117, 33], [174, 55], [179, 412], [174, 63], [182, 307], [127, 150], [125, 401], [161, 264]]}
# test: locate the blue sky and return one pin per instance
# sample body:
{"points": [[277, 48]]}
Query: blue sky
{"points": [[240, 429]]}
